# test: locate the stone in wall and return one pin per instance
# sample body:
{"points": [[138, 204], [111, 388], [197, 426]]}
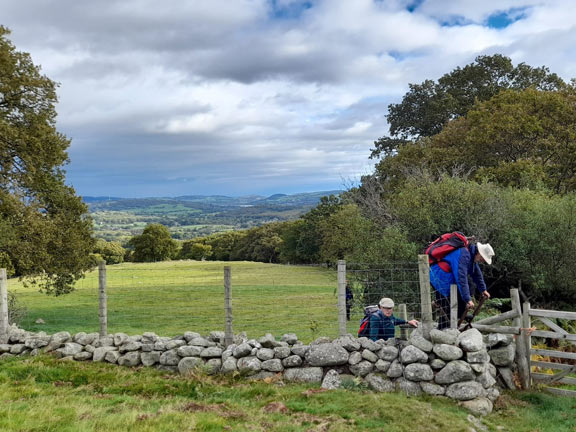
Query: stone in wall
{"points": [[479, 406], [418, 372], [331, 380], [327, 355], [131, 358], [412, 354], [292, 361], [362, 369], [305, 374], [471, 340], [150, 358], [349, 343], [380, 383], [229, 365], [282, 352], [448, 352], [465, 390], [455, 371], [249, 365], [272, 365], [289, 338], [503, 356], [447, 336], [418, 340], [99, 353], [169, 358], [388, 353], [410, 388]]}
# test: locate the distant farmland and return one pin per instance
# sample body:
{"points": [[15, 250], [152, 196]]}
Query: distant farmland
{"points": [[188, 217]]}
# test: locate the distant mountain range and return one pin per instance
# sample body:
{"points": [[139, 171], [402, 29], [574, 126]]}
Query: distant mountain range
{"points": [[309, 198], [191, 216]]}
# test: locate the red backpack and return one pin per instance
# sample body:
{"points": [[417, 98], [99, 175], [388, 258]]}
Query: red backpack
{"points": [[442, 246]]}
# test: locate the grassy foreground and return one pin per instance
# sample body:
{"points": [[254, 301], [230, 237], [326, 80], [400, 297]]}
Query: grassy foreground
{"points": [[169, 298], [43, 394]]}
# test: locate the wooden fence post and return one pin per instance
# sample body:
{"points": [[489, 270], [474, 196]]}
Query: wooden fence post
{"points": [[454, 306], [527, 338], [522, 355], [342, 330], [102, 299], [403, 314], [228, 333], [3, 306], [426, 304]]}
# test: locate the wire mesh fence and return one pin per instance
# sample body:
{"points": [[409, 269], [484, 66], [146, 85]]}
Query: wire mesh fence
{"points": [[169, 298], [367, 284]]}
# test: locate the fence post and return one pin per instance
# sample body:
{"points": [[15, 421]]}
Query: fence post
{"points": [[342, 298], [102, 299], [522, 357], [228, 334], [454, 306], [3, 306], [426, 304], [403, 313], [526, 338]]}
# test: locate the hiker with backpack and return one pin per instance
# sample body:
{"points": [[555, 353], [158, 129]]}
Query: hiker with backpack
{"points": [[382, 322], [452, 260]]}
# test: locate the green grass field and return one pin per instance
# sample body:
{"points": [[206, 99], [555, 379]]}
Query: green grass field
{"points": [[172, 297], [43, 394]]}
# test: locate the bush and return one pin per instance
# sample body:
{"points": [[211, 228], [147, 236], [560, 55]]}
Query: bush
{"points": [[16, 311]]}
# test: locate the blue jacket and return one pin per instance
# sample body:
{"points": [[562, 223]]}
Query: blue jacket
{"points": [[382, 327], [462, 265]]}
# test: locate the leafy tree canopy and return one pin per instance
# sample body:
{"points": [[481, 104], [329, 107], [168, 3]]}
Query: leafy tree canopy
{"points": [[154, 244], [428, 106], [518, 138], [44, 228], [112, 252], [196, 250]]}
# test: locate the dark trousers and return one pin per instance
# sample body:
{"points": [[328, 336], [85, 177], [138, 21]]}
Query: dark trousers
{"points": [[443, 304]]}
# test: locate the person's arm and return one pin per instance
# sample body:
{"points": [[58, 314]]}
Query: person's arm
{"points": [[400, 321], [374, 327], [478, 279], [461, 275]]}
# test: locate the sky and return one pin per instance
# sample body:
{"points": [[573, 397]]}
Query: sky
{"points": [[240, 97]]}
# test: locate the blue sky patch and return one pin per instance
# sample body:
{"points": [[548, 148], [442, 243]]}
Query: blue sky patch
{"points": [[455, 21], [503, 19], [291, 10], [413, 5]]}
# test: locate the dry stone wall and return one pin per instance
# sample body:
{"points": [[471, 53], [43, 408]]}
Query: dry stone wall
{"points": [[467, 366]]}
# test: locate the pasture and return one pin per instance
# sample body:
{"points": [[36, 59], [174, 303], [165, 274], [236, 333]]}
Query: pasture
{"points": [[169, 298]]}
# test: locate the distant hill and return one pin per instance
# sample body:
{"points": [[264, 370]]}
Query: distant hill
{"points": [[192, 216], [90, 199]]}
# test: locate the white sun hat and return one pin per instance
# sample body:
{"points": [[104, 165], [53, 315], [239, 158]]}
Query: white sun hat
{"points": [[386, 303], [486, 252]]}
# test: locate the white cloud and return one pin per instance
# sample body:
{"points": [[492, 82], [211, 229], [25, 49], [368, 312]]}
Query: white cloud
{"points": [[219, 96]]}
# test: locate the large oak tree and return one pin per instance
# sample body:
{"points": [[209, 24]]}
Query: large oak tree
{"points": [[44, 228], [427, 107]]}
